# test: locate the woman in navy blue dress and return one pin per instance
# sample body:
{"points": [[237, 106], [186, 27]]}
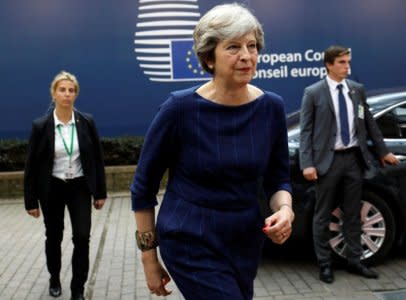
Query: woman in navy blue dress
{"points": [[218, 140]]}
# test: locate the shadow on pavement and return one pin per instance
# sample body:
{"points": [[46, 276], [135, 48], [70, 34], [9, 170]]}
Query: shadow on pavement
{"points": [[395, 295]]}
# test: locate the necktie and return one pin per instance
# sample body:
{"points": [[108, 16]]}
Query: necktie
{"points": [[345, 131]]}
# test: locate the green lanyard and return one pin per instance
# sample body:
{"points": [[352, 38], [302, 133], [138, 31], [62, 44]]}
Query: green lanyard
{"points": [[69, 152]]}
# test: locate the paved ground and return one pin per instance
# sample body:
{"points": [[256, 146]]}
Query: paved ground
{"points": [[116, 272]]}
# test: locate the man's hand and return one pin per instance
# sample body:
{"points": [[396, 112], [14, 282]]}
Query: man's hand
{"points": [[389, 158], [310, 173]]}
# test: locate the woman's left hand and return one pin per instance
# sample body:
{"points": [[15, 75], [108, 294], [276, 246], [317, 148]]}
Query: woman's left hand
{"points": [[278, 227], [98, 204]]}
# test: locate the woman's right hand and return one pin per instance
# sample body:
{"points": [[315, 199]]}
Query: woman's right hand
{"points": [[156, 276], [34, 212]]}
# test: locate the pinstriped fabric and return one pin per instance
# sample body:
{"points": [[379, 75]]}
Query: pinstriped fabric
{"points": [[209, 225]]}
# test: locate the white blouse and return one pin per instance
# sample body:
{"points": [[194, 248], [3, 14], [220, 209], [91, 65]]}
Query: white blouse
{"points": [[66, 166]]}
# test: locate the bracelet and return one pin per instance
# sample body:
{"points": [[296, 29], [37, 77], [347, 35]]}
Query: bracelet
{"points": [[146, 240], [293, 213], [285, 204]]}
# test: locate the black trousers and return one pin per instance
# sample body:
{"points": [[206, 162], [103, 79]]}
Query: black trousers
{"points": [[341, 186], [76, 196]]}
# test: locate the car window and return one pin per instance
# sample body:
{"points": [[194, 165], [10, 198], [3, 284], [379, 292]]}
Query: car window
{"points": [[393, 122]]}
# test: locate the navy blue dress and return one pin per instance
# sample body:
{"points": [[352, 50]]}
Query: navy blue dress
{"points": [[209, 223]]}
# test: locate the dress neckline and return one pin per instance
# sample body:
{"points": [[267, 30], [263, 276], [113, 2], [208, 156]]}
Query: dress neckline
{"points": [[230, 106]]}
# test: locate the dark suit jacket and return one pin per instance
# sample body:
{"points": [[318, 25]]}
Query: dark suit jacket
{"points": [[40, 158], [319, 129]]}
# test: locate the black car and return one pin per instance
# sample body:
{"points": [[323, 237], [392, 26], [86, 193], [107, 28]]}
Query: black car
{"points": [[383, 212]]}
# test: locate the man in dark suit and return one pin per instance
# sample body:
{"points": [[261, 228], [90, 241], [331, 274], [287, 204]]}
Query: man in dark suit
{"points": [[335, 123]]}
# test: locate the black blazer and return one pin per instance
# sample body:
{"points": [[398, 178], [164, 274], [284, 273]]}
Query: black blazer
{"points": [[40, 158]]}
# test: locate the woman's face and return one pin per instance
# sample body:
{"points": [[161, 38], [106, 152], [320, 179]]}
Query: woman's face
{"points": [[236, 60], [65, 94]]}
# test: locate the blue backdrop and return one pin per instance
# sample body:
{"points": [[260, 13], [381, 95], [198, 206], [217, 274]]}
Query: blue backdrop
{"points": [[129, 54]]}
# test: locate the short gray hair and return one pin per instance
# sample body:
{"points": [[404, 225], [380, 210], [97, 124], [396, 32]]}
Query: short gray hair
{"points": [[224, 22]]}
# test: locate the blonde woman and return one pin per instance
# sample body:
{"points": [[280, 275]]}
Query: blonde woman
{"points": [[64, 168]]}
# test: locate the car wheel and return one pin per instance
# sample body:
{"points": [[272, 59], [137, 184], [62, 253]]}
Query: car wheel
{"points": [[378, 229]]}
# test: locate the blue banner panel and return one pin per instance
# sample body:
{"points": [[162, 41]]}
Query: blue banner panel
{"points": [[184, 61], [128, 55]]}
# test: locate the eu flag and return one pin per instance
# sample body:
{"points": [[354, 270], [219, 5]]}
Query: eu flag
{"points": [[184, 61]]}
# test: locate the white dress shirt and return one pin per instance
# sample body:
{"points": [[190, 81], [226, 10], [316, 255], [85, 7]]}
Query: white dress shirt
{"points": [[350, 110], [61, 157]]}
